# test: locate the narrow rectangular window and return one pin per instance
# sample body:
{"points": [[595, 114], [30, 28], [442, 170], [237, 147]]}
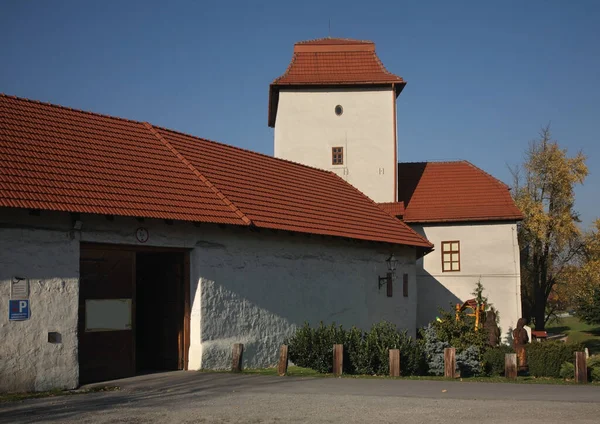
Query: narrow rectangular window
{"points": [[337, 155], [450, 256], [405, 285]]}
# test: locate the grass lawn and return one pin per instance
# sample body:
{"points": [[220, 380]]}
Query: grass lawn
{"points": [[307, 372], [292, 371], [578, 331]]}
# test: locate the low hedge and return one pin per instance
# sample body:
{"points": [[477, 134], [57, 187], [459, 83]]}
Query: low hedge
{"points": [[365, 352], [546, 358], [494, 360]]}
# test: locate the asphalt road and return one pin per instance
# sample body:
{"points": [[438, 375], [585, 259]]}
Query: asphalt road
{"points": [[191, 397]]}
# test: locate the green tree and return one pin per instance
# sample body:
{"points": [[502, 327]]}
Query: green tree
{"points": [[549, 236]]}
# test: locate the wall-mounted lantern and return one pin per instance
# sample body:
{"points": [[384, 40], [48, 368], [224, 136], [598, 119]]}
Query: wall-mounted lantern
{"points": [[391, 263]]}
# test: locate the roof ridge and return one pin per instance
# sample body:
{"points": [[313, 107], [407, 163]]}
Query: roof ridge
{"points": [[156, 126], [432, 161], [242, 149], [354, 40], [402, 223], [501, 183], [9, 96], [205, 180]]}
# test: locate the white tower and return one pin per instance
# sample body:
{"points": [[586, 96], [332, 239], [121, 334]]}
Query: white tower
{"points": [[335, 108]]}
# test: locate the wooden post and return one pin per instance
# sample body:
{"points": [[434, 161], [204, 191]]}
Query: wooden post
{"points": [[238, 352], [338, 359], [580, 368], [283, 360], [394, 362], [449, 362], [510, 365]]}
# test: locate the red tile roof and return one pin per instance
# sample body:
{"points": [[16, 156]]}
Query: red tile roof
{"points": [[396, 209], [453, 192], [55, 158], [330, 62]]}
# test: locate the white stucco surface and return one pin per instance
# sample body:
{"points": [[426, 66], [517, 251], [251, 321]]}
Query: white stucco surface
{"points": [[246, 287], [50, 260], [261, 288], [489, 253], [307, 128]]}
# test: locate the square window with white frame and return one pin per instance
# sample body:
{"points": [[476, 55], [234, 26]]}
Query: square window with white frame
{"points": [[450, 256]]}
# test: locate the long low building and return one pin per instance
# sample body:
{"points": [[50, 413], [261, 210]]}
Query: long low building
{"points": [[126, 248]]}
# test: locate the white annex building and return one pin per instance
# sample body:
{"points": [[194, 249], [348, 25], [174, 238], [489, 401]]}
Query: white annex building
{"points": [[335, 108], [127, 247]]}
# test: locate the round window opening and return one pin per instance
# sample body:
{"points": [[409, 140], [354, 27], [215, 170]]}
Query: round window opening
{"points": [[339, 110]]}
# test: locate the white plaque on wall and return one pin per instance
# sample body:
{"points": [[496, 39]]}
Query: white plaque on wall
{"points": [[107, 314], [19, 288]]}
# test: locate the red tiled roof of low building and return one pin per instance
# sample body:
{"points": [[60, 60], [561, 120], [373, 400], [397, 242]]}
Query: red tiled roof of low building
{"points": [[453, 192], [396, 209], [331, 62], [56, 158]]}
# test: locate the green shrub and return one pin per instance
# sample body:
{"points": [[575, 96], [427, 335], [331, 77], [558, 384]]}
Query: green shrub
{"points": [[461, 333], [593, 364], [494, 359], [356, 359], [434, 350], [567, 370], [300, 350], [364, 352], [313, 348], [468, 360], [446, 332], [545, 358]]}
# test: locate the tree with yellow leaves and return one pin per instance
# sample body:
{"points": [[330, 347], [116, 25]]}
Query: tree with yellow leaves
{"points": [[549, 236], [581, 285]]}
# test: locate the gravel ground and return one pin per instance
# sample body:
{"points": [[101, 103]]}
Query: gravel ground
{"points": [[189, 397]]}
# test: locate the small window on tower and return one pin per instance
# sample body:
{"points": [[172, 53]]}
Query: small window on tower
{"points": [[339, 110], [337, 155]]}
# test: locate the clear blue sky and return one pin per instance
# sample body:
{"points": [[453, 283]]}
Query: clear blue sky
{"points": [[483, 76]]}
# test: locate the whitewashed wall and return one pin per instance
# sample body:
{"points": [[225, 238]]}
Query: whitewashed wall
{"points": [[489, 253], [249, 287], [257, 290], [50, 259], [307, 128]]}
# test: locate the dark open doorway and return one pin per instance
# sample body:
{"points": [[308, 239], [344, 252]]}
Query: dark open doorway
{"points": [[133, 311], [159, 312]]}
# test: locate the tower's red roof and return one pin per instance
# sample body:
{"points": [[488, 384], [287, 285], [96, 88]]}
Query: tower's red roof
{"points": [[56, 158], [453, 192], [330, 62]]}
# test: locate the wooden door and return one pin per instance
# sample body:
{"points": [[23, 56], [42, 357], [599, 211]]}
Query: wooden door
{"points": [[106, 302]]}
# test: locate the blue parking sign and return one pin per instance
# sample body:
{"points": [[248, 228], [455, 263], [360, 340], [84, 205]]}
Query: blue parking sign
{"points": [[18, 310]]}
